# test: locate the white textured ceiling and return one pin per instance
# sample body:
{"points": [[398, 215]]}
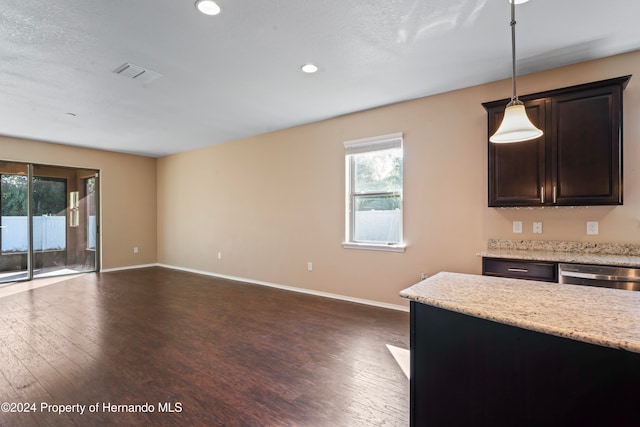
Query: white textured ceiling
{"points": [[237, 74]]}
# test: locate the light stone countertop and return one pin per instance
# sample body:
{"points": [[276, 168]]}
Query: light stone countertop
{"points": [[557, 256], [618, 254], [601, 316]]}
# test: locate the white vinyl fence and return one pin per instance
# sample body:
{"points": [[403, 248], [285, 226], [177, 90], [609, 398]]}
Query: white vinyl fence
{"points": [[377, 226], [49, 233], [92, 232]]}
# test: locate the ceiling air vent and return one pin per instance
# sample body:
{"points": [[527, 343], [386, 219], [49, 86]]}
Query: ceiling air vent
{"points": [[136, 72]]}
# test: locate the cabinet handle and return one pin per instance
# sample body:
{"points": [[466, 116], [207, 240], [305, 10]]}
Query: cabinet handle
{"points": [[555, 194], [517, 270], [542, 195]]}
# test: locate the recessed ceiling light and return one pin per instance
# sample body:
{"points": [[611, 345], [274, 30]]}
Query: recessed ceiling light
{"points": [[309, 68], [208, 7]]}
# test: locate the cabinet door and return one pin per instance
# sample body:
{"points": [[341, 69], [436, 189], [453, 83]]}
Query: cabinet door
{"points": [[517, 170], [470, 371], [586, 130]]}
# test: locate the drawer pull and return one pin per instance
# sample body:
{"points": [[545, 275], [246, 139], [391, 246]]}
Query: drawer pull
{"points": [[518, 270]]}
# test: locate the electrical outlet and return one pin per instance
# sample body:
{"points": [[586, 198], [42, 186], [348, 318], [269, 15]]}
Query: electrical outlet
{"points": [[537, 227], [135, 250], [219, 255], [309, 266], [592, 227], [517, 227]]}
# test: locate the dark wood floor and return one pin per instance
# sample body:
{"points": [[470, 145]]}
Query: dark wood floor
{"points": [[216, 352]]}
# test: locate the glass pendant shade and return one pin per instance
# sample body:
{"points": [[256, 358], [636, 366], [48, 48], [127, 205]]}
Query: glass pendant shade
{"points": [[515, 126]]}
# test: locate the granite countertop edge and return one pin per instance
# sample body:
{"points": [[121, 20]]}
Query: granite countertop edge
{"points": [[569, 257], [506, 310], [600, 253]]}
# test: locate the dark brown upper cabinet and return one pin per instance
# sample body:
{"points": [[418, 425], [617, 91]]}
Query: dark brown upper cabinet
{"points": [[578, 159]]}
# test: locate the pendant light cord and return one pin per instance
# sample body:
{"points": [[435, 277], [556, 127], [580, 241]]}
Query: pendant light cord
{"points": [[514, 98]]}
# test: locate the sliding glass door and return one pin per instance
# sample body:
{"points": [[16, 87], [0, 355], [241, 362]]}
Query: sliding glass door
{"points": [[49, 221], [14, 224]]}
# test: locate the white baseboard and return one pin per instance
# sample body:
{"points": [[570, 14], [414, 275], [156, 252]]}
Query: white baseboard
{"points": [[291, 288], [130, 267]]}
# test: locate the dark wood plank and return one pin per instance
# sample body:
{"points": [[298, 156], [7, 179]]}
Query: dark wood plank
{"points": [[230, 353]]}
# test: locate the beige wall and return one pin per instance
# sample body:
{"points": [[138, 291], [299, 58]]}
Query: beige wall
{"points": [[128, 195], [274, 202]]}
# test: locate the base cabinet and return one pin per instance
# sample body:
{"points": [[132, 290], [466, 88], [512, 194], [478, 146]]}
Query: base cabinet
{"points": [[467, 371]]}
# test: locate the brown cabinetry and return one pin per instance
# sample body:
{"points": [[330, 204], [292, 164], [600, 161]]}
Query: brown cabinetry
{"points": [[470, 371], [578, 160]]}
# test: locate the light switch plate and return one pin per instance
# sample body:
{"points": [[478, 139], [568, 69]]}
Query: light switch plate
{"points": [[592, 227], [517, 227], [537, 227]]}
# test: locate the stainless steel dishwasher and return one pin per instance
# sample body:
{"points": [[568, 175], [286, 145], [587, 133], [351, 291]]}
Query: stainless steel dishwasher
{"points": [[600, 275]]}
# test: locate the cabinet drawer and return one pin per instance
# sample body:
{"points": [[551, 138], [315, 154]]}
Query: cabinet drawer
{"points": [[519, 269]]}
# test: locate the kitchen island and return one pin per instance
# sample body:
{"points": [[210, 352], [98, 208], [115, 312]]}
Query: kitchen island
{"points": [[508, 352]]}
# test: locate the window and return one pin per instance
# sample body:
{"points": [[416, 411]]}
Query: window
{"points": [[48, 203], [374, 193], [90, 192]]}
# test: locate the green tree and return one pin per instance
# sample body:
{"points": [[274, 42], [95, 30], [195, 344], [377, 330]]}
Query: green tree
{"points": [[49, 195], [378, 171], [13, 190]]}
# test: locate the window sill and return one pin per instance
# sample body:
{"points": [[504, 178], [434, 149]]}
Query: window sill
{"points": [[398, 247]]}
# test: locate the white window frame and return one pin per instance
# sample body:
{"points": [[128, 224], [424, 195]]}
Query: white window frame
{"points": [[367, 145]]}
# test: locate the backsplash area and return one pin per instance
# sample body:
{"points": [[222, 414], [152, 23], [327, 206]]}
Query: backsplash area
{"points": [[629, 249]]}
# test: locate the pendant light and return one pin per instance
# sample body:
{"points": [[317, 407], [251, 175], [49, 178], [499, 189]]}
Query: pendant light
{"points": [[515, 126]]}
